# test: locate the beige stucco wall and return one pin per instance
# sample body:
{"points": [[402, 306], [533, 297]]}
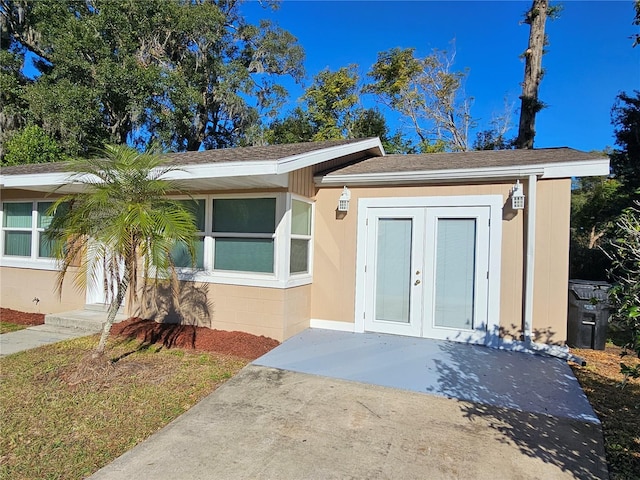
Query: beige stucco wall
{"points": [[273, 312], [281, 313], [19, 286], [552, 261], [333, 291]]}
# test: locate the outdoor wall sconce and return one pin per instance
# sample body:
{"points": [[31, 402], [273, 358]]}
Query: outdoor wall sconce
{"points": [[343, 201], [517, 196]]}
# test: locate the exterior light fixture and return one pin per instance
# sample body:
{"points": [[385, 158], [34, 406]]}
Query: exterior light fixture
{"points": [[517, 196], [343, 201]]}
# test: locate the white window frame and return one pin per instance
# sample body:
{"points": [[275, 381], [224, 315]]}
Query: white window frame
{"points": [[300, 278], [280, 278], [33, 261]]}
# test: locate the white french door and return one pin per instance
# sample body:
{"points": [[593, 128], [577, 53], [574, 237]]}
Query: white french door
{"points": [[394, 270], [427, 271]]}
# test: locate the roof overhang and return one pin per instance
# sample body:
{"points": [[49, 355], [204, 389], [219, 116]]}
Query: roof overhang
{"points": [[585, 168], [254, 174]]}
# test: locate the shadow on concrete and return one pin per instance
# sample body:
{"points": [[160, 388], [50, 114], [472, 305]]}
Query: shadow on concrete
{"points": [[535, 402], [505, 394]]}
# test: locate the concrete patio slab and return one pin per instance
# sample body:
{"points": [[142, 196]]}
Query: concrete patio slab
{"points": [[499, 378], [267, 423]]}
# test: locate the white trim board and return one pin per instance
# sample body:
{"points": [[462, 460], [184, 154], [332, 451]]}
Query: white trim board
{"points": [[332, 325], [276, 171], [587, 168]]}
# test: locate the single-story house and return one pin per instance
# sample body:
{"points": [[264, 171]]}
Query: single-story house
{"points": [[470, 246]]}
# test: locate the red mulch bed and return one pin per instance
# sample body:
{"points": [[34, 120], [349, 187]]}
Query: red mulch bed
{"points": [[21, 318], [239, 344]]}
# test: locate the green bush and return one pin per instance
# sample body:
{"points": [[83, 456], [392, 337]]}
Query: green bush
{"points": [[624, 252], [31, 145]]}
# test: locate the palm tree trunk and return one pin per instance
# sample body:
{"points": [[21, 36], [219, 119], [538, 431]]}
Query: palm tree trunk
{"points": [[116, 303]]}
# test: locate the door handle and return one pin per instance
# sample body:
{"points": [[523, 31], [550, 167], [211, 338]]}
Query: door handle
{"points": [[417, 282]]}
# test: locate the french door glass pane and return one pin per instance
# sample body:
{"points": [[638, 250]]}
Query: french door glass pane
{"points": [[244, 254], [245, 215], [393, 274], [17, 215], [300, 218], [17, 243], [299, 256], [455, 272]]}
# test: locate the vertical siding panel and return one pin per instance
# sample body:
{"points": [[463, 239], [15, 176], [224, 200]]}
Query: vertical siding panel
{"points": [[301, 182]]}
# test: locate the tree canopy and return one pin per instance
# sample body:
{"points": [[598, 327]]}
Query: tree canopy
{"points": [[598, 202], [428, 95], [625, 158], [186, 74]]}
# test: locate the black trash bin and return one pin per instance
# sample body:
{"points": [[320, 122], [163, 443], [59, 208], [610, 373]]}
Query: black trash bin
{"points": [[588, 314]]}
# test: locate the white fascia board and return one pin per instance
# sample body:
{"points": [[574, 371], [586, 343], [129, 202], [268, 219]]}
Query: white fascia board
{"points": [[427, 176], [218, 170], [277, 169], [296, 162], [272, 167], [586, 168], [34, 180], [560, 170]]}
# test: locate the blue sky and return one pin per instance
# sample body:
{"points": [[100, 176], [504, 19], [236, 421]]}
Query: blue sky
{"points": [[589, 60]]}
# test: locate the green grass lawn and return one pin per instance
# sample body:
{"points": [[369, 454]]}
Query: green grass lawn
{"points": [[65, 416], [6, 327]]}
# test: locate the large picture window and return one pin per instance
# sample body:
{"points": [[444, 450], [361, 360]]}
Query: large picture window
{"points": [[234, 235], [243, 231]]}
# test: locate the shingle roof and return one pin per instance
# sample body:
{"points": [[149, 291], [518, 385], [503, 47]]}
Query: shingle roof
{"points": [[464, 160], [224, 155]]}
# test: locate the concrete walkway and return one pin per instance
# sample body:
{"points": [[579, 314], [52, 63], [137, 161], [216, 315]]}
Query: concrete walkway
{"points": [[37, 336], [57, 327], [285, 423]]}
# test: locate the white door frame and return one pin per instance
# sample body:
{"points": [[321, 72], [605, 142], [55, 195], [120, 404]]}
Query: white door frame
{"points": [[494, 202]]}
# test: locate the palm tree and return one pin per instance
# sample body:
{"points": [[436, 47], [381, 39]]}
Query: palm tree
{"points": [[122, 223]]}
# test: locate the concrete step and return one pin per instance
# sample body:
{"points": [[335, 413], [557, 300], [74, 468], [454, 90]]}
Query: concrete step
{"points": [[100, 307], [88, 320]]}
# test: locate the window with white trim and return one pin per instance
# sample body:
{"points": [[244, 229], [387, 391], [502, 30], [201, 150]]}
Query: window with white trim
{"points": [[23, 230], [244, 234], [180, 254], [300, 250], [235, 235]]}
